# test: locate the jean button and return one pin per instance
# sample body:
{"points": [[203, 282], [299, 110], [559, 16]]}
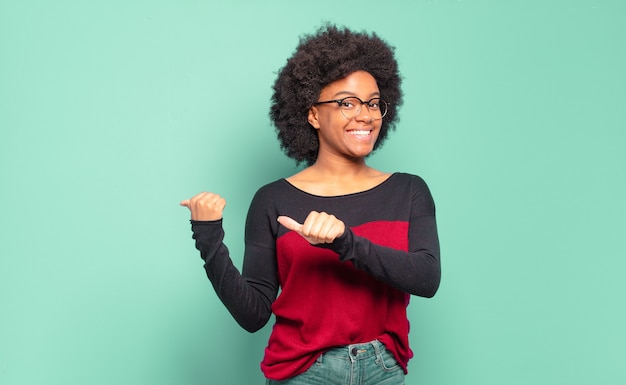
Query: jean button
{"points": [[353, 351]]}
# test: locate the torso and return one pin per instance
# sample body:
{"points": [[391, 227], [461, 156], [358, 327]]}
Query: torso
{"points": [[313, 278]]}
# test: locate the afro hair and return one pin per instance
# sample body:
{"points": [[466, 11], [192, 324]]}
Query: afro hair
{"points": [[320, 59]]}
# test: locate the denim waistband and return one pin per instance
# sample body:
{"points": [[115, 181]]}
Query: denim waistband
{"points": [[355, 351]]}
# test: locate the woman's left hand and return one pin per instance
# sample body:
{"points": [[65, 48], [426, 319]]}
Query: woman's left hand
{"points": [[317, 227]]}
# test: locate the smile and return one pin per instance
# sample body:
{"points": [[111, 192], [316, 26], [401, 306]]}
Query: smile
{"points": [[360, 132]]}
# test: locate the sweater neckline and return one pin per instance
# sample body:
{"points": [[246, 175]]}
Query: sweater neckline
{"points": [[380, 185]]}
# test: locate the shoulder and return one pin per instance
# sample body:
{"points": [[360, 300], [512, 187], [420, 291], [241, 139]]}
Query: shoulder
{"points": [[272, 191], [276, 193], [404, 179], [419, 190]]}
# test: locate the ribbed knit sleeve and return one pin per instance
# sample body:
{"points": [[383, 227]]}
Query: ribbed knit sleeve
{"points": [[416, 271], [248, 296]]}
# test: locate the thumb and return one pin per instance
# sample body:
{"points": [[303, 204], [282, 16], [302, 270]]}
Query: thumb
{"points": [[289, 223], [185, 203]]}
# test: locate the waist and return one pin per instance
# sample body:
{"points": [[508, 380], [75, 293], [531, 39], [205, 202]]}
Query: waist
{"points": [[355, 351]]}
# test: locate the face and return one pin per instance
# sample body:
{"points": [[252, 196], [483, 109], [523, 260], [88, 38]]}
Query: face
{"points": [[339, 136]]}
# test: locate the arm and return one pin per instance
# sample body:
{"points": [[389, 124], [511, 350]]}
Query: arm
{"points": [[248, 296], [416, 271]]}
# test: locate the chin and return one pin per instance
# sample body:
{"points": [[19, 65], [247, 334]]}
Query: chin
{"points": [[361, 154]]}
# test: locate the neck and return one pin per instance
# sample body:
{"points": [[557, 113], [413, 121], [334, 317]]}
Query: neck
{"points": [[340, 167], [333, 176]]}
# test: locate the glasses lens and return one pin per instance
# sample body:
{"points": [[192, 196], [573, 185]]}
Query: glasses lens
{"points": [[377, 107], [351, 107]]}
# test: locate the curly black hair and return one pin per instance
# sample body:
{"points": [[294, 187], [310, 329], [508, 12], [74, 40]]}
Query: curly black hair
{"points": [[330, 54]]}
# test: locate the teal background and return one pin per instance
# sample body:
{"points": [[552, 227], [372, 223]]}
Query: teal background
{"points": [[112, 112]]}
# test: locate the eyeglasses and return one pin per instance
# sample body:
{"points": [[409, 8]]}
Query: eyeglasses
{"points": [[351, 106]]}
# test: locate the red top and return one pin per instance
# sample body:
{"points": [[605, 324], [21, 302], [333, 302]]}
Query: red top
{"points": [[326, 303], [353, 290]]}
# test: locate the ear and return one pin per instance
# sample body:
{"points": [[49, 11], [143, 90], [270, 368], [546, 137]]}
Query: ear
{"points": [[312, 118]]}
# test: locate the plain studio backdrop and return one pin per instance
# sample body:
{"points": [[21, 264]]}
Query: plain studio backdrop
{"points": [[111, 112]]}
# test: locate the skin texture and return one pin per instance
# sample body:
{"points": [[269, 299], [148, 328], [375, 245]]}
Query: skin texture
{"points": [[340, 167]]}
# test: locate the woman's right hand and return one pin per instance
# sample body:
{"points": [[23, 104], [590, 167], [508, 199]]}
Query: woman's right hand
{"points": [[205, 206]]}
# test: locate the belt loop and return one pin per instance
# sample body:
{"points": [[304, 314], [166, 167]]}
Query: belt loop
{"points": [[376, 345], [350, 351]]}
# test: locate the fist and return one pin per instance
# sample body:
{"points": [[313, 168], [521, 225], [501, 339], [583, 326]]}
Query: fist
{"points": [[317, 227], [205, 206]]}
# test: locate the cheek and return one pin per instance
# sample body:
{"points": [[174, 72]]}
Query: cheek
{"points": [[330, 123], [379, 128], [378, 132]]}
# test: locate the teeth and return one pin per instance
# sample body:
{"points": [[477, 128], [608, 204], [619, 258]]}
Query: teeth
{"points": [[360, 132]]}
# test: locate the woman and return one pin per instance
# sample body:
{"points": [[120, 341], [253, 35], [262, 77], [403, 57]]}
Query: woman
{"points": [[346, 244]]}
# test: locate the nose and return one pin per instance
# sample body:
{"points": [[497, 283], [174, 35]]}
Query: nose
{"points": [[364, 113]]}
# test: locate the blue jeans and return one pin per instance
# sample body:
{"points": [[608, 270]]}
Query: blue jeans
{"points": [[359, 364]]}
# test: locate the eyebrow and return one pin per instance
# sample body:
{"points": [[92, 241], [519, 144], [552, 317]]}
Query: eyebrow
{"points": [[350, 93]]}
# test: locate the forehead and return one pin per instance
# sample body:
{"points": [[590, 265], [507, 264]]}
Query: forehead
{"points": [[359, 83]]}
